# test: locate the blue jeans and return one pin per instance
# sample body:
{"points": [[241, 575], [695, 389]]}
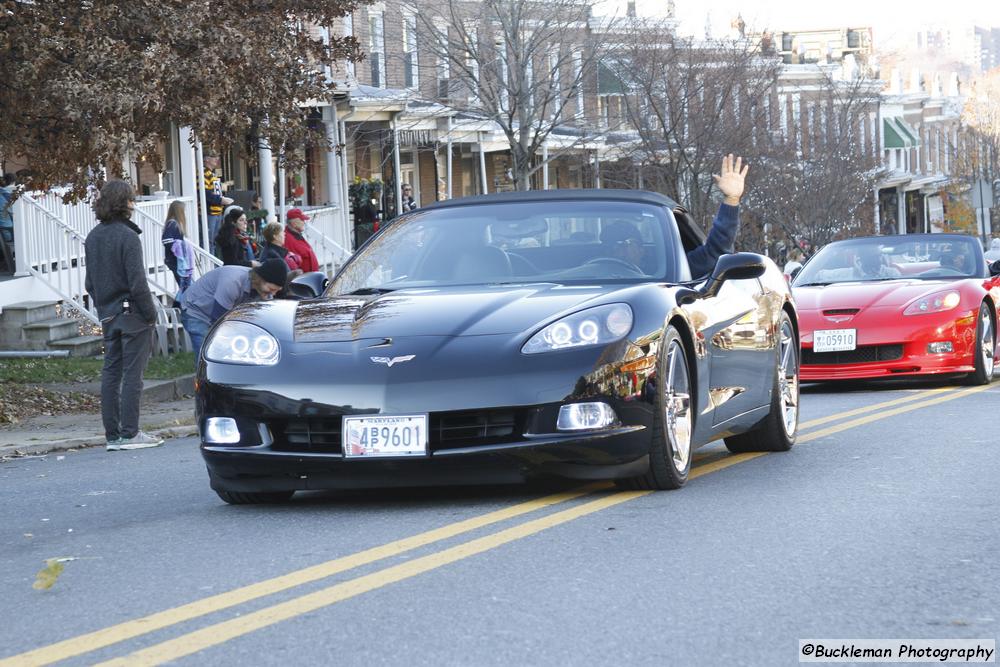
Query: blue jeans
{"points": [[197, 328], [214, 222]]}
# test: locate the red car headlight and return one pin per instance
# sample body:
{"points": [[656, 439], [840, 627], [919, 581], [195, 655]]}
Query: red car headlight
{"points": [[934, 303]]}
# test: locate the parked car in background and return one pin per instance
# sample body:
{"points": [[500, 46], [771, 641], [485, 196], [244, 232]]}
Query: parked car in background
{"points": [[886, 306], [489, 339]]}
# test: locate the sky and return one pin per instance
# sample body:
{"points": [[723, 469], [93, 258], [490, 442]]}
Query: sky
{"points": [[886, 17]]}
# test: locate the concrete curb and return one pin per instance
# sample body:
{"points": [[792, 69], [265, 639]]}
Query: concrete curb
{"points": [[168, 390], [37, 448]]}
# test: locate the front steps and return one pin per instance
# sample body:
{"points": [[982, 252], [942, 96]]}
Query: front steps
{"points": [[34, 325]]}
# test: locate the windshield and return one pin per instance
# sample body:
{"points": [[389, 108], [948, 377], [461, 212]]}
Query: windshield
{"points": [[537, 241], [919, 256]]}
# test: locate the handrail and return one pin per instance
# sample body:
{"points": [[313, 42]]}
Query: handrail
{"points": [[326, 242], [199, 252], [75, 262], [35, 242]]}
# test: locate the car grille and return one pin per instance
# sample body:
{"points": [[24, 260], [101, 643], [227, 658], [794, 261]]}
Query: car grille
{"points": [[865, 354], [447, 430]]}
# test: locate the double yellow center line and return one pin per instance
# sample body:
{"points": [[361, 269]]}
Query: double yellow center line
{"points": [[224, 631]]}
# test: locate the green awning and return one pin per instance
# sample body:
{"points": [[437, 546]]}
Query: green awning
{"points": [[897, 134]]}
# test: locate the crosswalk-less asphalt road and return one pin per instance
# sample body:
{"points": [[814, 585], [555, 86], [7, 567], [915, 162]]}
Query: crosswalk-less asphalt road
{"points": [[880, 523]]}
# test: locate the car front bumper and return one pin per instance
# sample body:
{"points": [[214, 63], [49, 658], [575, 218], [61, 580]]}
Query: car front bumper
{"points": [[912, 359]]}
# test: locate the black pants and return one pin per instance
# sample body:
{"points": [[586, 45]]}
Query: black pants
{"points": [[128, 342]]}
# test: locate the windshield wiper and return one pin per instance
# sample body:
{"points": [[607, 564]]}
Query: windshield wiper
{"points": [[371, 290], [813, 284]]}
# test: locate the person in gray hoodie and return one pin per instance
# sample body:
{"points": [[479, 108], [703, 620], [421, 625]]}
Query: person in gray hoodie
{"points": [[116, 283]]}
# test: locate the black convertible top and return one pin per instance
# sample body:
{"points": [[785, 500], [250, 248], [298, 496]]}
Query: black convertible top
{"points": [[690, 232], [642, 196]]}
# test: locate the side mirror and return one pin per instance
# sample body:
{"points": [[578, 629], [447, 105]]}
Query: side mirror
{"points": [[995, 268], [308, 285], [795, 272], [737, 266]]}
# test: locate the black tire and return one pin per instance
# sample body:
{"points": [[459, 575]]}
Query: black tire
{"points": [[772, 435], [254, 498], [668, 464], [984, 365]]}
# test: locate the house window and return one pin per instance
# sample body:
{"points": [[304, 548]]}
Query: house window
{"points": [[410, 51], [578, 82], [502, 74], [443, 76], [786, 41], [376, 49], [472, 61], [555, 95]]}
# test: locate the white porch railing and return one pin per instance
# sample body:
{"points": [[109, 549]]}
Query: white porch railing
{"points": [[321, 230], [53, 251], [51, 247]]}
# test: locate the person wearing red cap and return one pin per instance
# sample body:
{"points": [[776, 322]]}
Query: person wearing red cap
{"points": [[295, 224]]}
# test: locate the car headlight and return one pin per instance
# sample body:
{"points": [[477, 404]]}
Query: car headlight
{"points": [[934, 303], [237, 342], [594, 326]]}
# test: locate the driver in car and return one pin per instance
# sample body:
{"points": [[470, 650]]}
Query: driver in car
{"points": [[954, 259], [622, 241], [869, 264]]}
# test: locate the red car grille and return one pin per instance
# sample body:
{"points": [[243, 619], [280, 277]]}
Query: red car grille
{"points": [[865, 354], [447, 430]]}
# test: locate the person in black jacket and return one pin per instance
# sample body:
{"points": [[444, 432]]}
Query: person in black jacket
{"points": [[116, 283], [274, 236], [233, 243]]}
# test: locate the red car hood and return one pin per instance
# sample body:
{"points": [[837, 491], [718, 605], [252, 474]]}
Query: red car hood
{"points": [[888, 294]]}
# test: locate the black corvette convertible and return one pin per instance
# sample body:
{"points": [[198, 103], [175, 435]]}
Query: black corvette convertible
{"points": [[488, 339]]}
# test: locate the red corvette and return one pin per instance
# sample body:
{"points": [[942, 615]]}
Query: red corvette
{"points": [[884, 306]]}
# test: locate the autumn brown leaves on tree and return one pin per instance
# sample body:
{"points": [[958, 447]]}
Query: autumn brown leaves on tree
{"points": [[88, 84]]}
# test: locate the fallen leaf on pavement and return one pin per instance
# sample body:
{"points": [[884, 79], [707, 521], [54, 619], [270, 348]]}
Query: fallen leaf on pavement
{"points": [[47, 576]]}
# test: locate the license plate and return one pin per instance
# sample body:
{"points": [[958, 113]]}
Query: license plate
{"points": [[374, 436], [835, 340]]}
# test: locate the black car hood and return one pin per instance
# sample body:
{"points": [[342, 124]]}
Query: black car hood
{"points": [[472, 311]]}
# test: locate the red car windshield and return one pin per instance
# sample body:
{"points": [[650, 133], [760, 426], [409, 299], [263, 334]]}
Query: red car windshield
{"points": [[917, 256]]}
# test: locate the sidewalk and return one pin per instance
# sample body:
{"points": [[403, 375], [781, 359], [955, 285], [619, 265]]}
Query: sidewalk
{"points": [[167, 411]]}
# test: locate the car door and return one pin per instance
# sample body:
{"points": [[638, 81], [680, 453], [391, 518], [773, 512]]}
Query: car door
{"points": [[740, 347]]}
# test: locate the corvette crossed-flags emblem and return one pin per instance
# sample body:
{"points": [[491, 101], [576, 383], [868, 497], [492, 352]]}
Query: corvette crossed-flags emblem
{"points": [[394, 360]]}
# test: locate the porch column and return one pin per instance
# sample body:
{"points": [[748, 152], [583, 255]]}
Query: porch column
{"points": [[545, 165], [187, 172], [449, 170], [482, 169], [597, 168], [900, 210], [21, 259], [347, 231], [332, 159], [396, 175], [205, 242], [265, 169], [878, 215], [333, 178], [641, 181], [281, 190]]}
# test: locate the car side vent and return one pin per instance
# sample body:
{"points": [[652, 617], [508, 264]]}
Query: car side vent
{"points": [[841, 311]]}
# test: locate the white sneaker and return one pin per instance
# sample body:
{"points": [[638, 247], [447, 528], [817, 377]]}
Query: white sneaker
{"points": [[140, 440]]}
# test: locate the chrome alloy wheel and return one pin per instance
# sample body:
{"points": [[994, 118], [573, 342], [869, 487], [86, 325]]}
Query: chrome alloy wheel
{"points": [[677, 407], [788, 379], [986, 342]]}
